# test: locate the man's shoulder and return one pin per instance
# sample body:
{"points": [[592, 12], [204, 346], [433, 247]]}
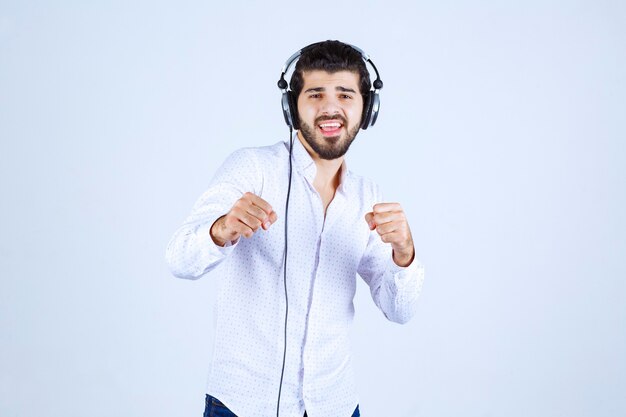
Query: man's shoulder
{"points": [[268, 152], [258, 157]]}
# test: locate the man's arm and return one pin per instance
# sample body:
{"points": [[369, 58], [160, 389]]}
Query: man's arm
{"points": [[389, 266], [193, 249]]}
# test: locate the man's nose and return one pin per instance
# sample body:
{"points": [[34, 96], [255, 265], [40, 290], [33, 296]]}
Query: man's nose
{"points": [[330, 105]]}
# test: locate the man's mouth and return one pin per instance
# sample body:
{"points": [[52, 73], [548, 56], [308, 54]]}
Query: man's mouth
{"points": [[330, 127]]}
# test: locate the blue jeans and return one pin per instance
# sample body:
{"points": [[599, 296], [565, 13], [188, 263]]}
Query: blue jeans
{"points": [[214, 408]]}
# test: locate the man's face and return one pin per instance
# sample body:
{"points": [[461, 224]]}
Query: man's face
{"points": [[330, 108]]}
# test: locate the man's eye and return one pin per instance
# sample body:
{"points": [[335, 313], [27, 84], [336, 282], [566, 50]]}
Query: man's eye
{"points": [[346, 96], [315, 96]]}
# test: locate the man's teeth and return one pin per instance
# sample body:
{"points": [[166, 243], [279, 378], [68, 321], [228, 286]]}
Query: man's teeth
{"points": [[330, 125]]}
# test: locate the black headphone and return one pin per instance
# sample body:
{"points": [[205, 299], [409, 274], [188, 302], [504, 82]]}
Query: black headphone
{"points": [[371, 105]]}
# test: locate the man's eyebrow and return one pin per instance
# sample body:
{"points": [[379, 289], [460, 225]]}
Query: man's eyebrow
{"points": [[321, 89], [345, 90]]}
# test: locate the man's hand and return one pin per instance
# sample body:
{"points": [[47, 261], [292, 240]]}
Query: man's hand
{"points": [[390, 222], [247, 215]]}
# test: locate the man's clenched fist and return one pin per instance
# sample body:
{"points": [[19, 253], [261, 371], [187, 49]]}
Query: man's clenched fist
{"points": [[390, 222], [247, 215]]}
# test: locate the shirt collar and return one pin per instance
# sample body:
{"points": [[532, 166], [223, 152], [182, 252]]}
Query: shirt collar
{"points": [[302, 161], [305, 165]]}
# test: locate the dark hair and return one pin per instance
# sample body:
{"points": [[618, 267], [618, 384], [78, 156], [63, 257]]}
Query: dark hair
{"points": [[330, 56]]}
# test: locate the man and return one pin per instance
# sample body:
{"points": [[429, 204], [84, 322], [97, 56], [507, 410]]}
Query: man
{"points": [[282, 344]]}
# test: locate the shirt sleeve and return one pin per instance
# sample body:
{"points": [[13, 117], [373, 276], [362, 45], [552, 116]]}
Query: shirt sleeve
{"points": [[191, 252], [394, 289]]}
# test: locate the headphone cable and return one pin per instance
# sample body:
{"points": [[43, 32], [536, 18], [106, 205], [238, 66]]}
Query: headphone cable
{"points": [[282, 372]]}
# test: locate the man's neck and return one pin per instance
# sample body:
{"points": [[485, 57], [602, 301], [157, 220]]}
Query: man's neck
{"points": [[328, 172]]}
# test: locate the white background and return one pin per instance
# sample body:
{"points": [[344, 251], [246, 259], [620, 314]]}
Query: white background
{"points": [[501, 132]]}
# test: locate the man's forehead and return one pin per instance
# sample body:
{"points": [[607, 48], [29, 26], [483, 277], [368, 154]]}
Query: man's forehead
{"points": [[342, 77]]}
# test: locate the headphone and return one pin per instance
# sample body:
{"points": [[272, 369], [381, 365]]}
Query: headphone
{"points": [[371, 105]]}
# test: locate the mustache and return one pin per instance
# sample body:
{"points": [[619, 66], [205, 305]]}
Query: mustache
{"points": [[339, 117]]}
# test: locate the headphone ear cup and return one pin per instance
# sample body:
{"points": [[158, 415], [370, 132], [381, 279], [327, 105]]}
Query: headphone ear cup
{"points": [[374, 108], [293, 110], [367, 110], [286, 105]]}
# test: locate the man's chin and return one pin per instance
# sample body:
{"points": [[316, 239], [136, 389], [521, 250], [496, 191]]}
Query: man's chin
{"points": [[331, 152], [330, 139]]}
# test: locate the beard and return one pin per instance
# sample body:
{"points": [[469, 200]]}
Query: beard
{"points": [[331, 147]]}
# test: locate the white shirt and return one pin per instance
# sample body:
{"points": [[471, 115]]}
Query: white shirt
{"points": [[324, 255]]}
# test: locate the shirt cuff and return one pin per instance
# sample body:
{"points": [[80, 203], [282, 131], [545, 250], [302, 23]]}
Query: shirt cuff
{"points": [[403, 275], [205, 239]]}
